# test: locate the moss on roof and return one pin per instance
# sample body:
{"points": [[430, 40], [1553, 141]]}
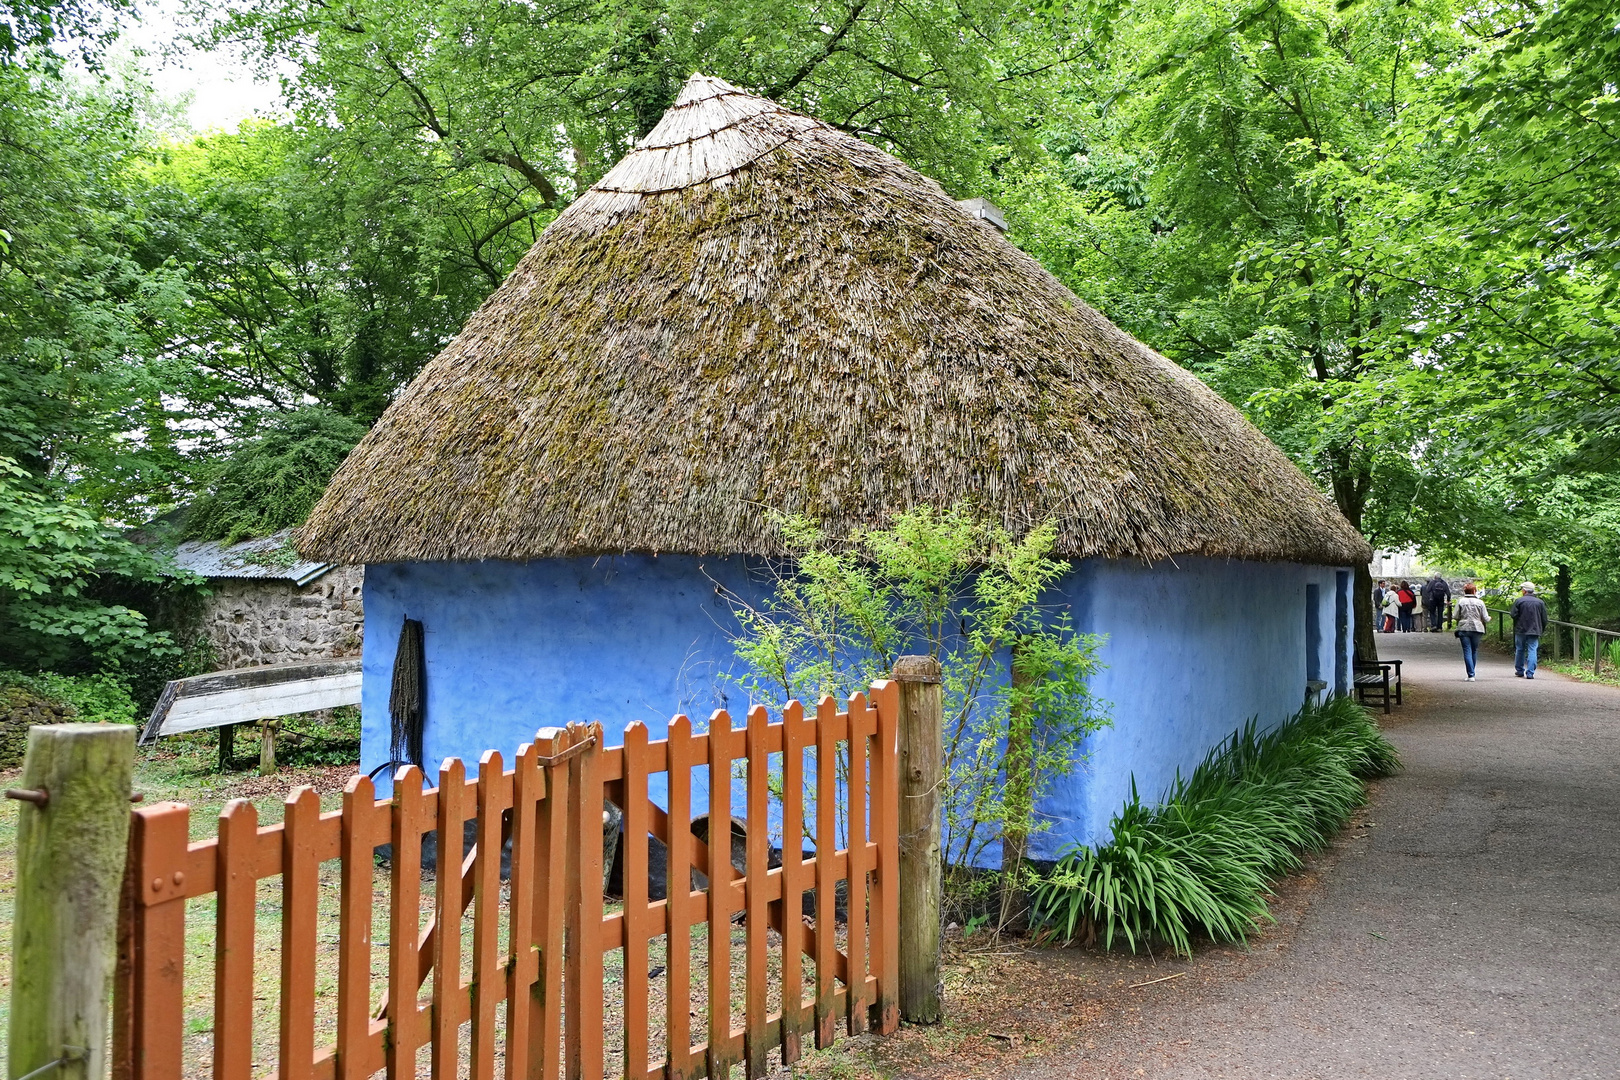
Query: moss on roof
{"points": [[754, 312]]}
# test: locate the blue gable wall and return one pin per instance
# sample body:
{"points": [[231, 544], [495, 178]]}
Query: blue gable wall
{"points": [[1194, 649]]}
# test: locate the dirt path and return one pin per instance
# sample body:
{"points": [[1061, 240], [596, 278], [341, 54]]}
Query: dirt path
{"points": [[1474, 933]]}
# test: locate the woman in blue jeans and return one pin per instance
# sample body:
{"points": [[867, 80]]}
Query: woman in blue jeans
{"points": [[1471, 619]]}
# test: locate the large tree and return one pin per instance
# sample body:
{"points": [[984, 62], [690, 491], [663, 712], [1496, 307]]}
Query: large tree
{"points": [[87, 435], [488, 118]]}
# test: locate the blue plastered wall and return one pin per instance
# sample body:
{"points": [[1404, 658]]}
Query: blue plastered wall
{"points": [[513, 647], [1194, 649]]}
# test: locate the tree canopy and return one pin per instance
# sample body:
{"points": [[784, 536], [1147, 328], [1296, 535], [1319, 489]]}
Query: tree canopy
{"points": [[1387, 229]]}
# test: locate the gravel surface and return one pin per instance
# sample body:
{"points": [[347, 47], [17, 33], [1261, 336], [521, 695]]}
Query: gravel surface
{"points": [[1470, 927]]}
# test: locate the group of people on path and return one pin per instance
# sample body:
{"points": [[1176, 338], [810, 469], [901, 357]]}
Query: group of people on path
{"points": [[1529, 615], [1397, 605]]}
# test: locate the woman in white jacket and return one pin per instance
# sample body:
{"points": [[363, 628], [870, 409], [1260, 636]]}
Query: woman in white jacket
{"points": [[1392, 610], [1471, 619]]}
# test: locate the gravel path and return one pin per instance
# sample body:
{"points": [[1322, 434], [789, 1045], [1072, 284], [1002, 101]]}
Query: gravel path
{"points": [[1475, 933]]}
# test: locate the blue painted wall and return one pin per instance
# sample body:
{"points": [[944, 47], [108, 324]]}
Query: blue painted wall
{"points": [[1194, 649], [512, 647]]}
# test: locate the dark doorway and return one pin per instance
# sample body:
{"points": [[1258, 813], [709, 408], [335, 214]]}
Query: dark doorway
{"points": [[1341, 634]]}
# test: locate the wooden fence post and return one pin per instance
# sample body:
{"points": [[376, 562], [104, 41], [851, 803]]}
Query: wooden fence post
{"points": [[72, 838], [267, 747], [922, 724]]}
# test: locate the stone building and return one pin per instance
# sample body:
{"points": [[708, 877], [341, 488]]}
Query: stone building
{"points": [[268, 606]]}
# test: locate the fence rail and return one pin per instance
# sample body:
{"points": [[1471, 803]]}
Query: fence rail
{"points": [[1577, 633], [557, 928]]}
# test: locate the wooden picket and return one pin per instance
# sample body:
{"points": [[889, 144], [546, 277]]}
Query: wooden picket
{"points": [[559, 933]]}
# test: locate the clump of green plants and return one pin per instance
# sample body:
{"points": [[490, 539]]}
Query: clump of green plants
{"points": [[1201, 862], [96, 698], [1015, 671]]}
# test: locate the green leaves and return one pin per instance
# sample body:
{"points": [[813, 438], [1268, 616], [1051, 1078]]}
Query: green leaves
{"points": [[52, 552], [1202, 862], [944, 584], [273, 481]]}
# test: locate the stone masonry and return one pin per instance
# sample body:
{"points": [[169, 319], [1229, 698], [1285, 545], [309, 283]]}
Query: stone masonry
{"points": [[20, 710], [252, 621]]}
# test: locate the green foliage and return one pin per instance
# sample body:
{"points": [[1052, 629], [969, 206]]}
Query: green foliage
{"points": [[41, 27], [52, 551], [1384, 229], [273, 481], [83, 382], [503, 112], [1201, 863], [942, 584], [99, 698], [308, 283], [320, 738]]}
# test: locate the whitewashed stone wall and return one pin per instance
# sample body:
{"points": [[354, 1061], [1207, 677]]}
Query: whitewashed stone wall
{"points": [[253, 621]]}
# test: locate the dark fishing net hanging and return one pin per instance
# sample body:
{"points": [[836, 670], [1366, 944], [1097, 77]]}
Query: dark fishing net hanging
{"points": [[407, 700]]}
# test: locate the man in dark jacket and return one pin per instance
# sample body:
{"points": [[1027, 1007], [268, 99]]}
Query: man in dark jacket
{"points": [[1529, 620], [1436, 595]]}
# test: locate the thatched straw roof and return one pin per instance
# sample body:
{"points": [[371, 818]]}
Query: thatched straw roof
{"points": [[755, 312]]}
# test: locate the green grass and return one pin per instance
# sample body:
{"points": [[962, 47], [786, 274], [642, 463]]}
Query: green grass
{"points": [[1579, 670], [1201, 863]]}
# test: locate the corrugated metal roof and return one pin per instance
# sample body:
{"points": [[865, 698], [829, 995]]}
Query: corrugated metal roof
{"points": [[271, 558]]}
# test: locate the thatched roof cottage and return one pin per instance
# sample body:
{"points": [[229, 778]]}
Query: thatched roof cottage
{"points": [[753, 311]]}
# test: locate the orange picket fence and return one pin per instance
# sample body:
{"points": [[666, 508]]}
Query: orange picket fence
{"points": [[534, 990]]}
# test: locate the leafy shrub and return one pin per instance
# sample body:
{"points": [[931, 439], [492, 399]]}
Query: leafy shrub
{"points": [[95, 698], [1202, 862], [273, 481], [322, 738], [941, 583], [53, 554]]}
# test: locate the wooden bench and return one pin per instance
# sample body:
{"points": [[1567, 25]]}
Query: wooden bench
{"points": [[1372, 678]]}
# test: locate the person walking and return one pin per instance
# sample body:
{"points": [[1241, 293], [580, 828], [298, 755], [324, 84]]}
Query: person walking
{"points": [[1392, 610], [1472, 617], [1529, 620], [1436, 595], [1408, 600]]}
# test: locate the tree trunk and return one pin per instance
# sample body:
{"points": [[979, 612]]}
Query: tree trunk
{"points": [[1018, 800], [1365, 628], [1561, 598], [1350, 487]]}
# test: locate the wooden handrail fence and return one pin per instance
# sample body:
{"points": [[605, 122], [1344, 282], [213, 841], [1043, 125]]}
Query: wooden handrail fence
{"points": [[1577, 633], [533, 1006]]}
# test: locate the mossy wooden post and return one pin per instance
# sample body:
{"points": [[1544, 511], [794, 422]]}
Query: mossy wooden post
{"points": [[922, 721], [267, 747], [70, 867]]}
